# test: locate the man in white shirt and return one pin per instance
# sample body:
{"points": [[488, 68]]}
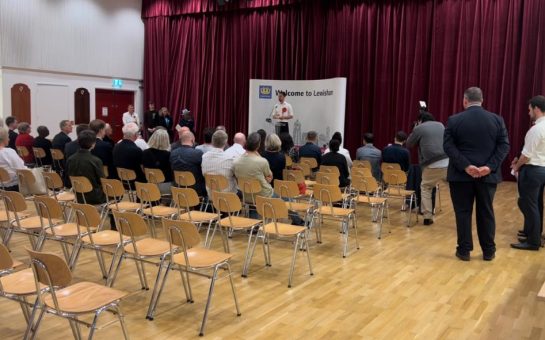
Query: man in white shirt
{"points": [[342, 151], [130, 116], [218, 162], [530, 170], [283, 112], [9, 161], [237, 149]]}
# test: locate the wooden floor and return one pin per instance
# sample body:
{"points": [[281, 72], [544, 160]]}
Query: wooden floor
{"points": [[407, 285]]}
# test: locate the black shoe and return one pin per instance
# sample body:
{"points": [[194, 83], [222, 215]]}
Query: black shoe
{"points": [[462, 257], [521, 233], [522, 239], [489, 257], [428, 221], [524, 246]]}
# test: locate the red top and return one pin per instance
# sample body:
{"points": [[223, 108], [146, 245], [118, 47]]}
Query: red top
{"points": [[26, 140]]}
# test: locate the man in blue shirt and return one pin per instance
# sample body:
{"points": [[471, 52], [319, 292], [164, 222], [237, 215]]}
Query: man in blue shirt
{"points": [[310, 149], [397, 153]]}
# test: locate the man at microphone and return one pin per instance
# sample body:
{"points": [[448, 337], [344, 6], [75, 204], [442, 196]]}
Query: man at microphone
{"points": [[283, 112]]}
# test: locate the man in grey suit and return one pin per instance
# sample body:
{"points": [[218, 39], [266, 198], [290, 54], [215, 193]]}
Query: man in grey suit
{"points": [[370, 153], [476, 142]]}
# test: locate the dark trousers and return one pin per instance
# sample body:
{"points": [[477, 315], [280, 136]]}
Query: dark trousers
{"points": [[281, 127], [531, 182], [463, 195]]}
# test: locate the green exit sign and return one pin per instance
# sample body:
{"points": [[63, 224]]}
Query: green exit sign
{"points": [[117, 83]]}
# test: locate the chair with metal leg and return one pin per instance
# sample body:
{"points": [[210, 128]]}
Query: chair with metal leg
{"points": [[58, 159], [396, 180], [115, 192], [368, 193], [149, 195], [72, 301], [249, 187], [57, 190], [189, 258], [273, 210], [128, 176], [289, 192]]}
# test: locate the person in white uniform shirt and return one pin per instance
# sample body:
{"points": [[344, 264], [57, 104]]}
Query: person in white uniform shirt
{"points": [[530, 170], [283, 112], [342, 151], [130, 116], [9, 161]]}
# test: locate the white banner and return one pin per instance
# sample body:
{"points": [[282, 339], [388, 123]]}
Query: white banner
{"points": [[318, 105]]}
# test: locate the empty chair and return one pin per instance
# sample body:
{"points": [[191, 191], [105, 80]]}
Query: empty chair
{"points": [[368, 193], [289, 191], [67, 300], [128, 176], [149, 194], [57, 190], [273, 210], [396, 180], [189, 258], [113, 188]]}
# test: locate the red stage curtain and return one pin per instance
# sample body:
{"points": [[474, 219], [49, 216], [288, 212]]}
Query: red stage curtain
{"points": [[394, 53]]}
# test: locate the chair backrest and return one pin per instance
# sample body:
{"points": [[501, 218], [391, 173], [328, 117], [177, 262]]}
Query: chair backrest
{"points": [[50, 269], [327, 178], [389, 166], [22, 151], [185, 198], [4, 177], [361, 164], [38, 152], [113, 188], [106, 171], [367, 185], [271, 208], [130, 224], [249, 187], [147, 192], [216, 182], [26, 176], [226, 202], [48, 208], [327, 193], [286, 189], [57, 154], [126, 174], [14, 201], [53, 180], [329, 169], [289, 161], [395, 177], [311, 162], [184, 178], [80, 184], [181, 233], [362, 172], [6, 262], [86, 215], [293, 175], [304, 167], [154, 175]]}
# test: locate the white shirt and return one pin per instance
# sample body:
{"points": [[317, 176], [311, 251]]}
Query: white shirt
{"points": [[130, 118], [141, 144], [534, 143], [217, 162], [10, 161], [235, 151], [283, 110], [346, 155]]}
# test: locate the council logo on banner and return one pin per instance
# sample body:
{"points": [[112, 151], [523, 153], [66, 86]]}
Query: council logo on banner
{"points": [[265, 92]]}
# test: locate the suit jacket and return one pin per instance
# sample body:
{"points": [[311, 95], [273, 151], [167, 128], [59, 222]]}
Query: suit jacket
{"points": [[12, 137], [311, 150], [83, 163], [338, 160], [129, 156], [396, 153], [475, 137], [103, 151], [60, 140]]}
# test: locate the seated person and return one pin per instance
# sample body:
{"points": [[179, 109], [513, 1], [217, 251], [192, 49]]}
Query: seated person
{"points": [[103, 150], [9, 161], [24, 139], [42, 142], [186, 158], [337, 135], [158, 157], [273, 155], [397, 153], [311, 149], [370, 153], [237, 149], [288, 147], [127, 155], [83, 163], [217, 162], [334, 158], [207, 146], [61, 139]]}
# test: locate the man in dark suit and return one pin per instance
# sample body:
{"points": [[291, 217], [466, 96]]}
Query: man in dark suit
{"points": [[476, 142], [127, 154], [71, 149], [61, 139], [103, 150], [310, 149], [397, 153], [11, 124]]}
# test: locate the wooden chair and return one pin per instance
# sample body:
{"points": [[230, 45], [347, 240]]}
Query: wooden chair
{"points": [[389, 166], [4, 178], [58, 158], [396, 180], [310, 161], [330, 169], [361, 164], [326, 196], [289, 191], [216, 182], [115, 192], [361, 172], [88, 217], [23, 152], [188, 257], [184, 179], [106, 171], [136, 246], [57, 190], [229, 204], [273, 210], [27, 180], [149, 195], [155, 176], [39, 155], [296, 176], [128, 176], [187, 199], [67, 300], [249, 187], [289, 161], [327, 178], [368, 193], [81, 185]]}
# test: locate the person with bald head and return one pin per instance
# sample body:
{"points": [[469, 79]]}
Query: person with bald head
{"points": [[237, 149], [178, 143], [186, 158]]}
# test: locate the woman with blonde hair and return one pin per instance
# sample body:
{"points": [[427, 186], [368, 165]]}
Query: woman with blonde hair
{"points": [[158, 157], [274, 155]]}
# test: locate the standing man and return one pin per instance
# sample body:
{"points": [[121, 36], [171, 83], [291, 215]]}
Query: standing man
{"points": [[131, 117], [428, 135], [283, 112], [149, 118], [476, 142], [530, 169], [11, 124]]}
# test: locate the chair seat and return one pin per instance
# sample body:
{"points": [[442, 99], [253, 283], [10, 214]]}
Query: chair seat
{"points": [[160, 211], [66, 196], [398, 192], [201, 258], [284, 229], [297, 206], [84, 297], [66, 229], [199, 216], [371, 200], [34, 223], [104, 238], [124, 206], [238, 222], [336, 211], [16, 264], [19, 283], [149, 247]]}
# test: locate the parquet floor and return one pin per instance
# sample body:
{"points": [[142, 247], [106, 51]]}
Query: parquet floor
{"points": [[407, 285]]}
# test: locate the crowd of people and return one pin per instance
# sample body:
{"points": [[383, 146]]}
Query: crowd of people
{"points": [[467, 153]]}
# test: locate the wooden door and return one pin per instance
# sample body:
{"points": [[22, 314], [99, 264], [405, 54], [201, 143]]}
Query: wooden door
{"points": [[110, 106], [81, 106], [20, 102]]}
